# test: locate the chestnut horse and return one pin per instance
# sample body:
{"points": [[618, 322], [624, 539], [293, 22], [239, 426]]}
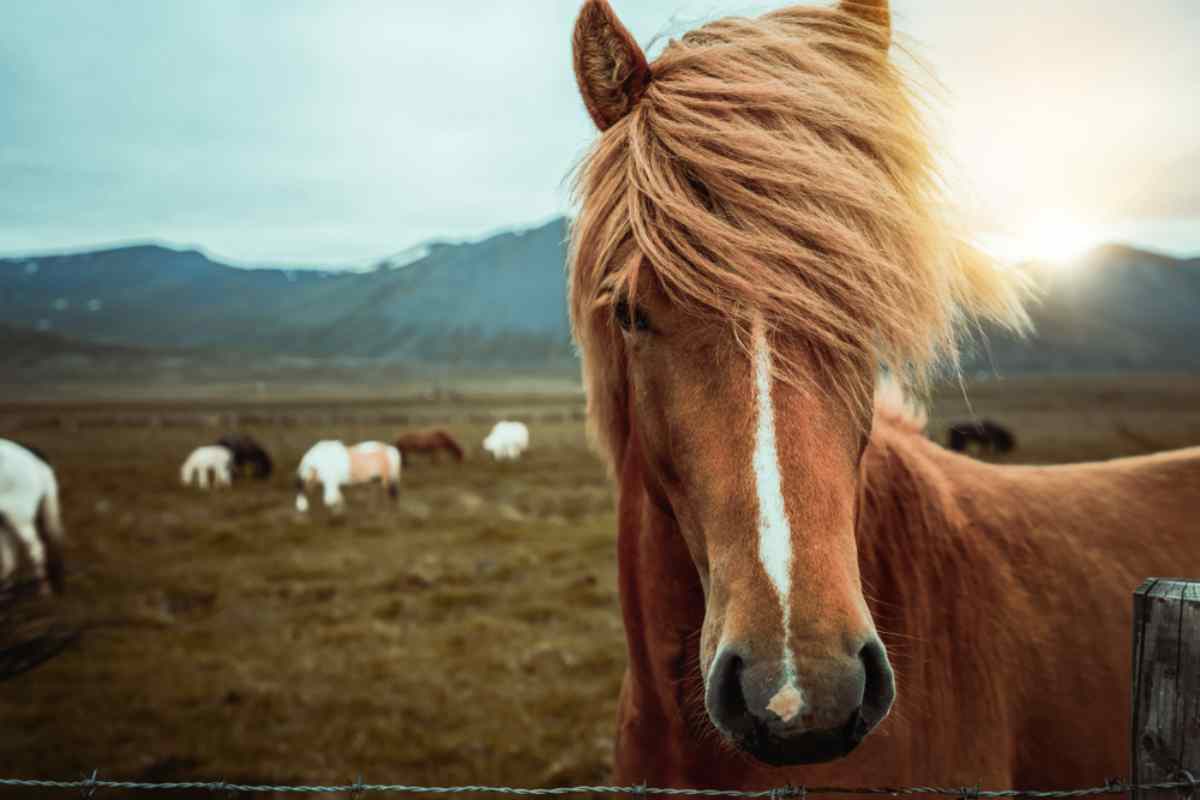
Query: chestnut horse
{"points": [[431, 441], [804, 577]]}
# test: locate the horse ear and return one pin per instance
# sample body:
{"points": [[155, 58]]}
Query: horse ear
{"points": [[875, 12], [610, 67]]}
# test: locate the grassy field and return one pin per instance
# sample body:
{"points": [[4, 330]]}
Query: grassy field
{"points": [[468, 633]]}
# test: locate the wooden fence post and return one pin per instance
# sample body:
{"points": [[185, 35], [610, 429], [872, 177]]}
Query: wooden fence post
{"points": [[1165, 738]]}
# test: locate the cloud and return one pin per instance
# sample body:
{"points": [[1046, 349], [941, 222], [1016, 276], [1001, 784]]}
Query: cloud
{"points": [[336, 132]]}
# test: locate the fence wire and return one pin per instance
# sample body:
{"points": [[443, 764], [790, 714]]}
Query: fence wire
{"points": [[89, 786]]}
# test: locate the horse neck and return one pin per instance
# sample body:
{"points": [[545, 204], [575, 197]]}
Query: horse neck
{"points": [[929, 563]]}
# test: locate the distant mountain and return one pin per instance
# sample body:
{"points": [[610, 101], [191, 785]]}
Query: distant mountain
{"points": [[1116, 309], [144, 296], [497, 301], [501, 302]]}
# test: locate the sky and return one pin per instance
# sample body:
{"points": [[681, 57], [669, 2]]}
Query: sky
{"points": [[339, 132]]}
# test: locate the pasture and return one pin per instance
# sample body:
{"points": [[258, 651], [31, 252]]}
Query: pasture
{"points": [[468, 633]]}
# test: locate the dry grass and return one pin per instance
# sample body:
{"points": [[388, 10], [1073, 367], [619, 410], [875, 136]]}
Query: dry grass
{"points": [[468, 634]]}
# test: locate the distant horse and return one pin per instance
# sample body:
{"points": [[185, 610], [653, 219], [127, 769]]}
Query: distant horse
{"points": [[507, 440], [210, 463], [333, 465], [29, 512], [247, 452], [760, 229], [991, 436], [430, 441]]}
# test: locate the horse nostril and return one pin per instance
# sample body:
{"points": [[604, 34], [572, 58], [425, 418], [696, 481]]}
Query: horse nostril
{"points": [[726, 699], [879, 688], [856, 728]]}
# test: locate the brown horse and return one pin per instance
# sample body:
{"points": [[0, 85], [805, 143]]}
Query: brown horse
{"points": [[759, 230], [432, 442]]}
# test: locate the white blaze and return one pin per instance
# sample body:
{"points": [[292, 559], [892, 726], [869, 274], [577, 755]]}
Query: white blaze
{"points": [[774, 532]]}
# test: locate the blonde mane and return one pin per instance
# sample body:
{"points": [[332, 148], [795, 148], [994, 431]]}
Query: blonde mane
{"points": [[778, 166], [898, 407]]}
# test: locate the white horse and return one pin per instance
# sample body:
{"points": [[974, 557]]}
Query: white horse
{"points": [[30, 513], [211, 458], [334, 465], [507, 441]]}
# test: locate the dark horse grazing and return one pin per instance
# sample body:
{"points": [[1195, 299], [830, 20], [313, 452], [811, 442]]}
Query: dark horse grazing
{"points": [[804, 577], [991, 436], [247, 452], [431, 442]]}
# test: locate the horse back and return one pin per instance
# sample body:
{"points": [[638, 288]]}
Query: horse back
{"points": [[370, 460]]}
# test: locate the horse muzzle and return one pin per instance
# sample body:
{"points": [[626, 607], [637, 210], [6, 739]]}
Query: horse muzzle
{"points": [[804, 714]]}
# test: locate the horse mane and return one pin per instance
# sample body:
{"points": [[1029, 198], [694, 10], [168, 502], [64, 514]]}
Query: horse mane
{"points": [[899, 408], [778, 167]]}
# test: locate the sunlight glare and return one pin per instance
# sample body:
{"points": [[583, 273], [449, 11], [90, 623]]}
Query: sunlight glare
{"points": [[1057, 237]]}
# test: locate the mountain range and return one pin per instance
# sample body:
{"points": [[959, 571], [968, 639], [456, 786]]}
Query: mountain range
{"points": [[1114, 309], [496, 302], [499, 302]]}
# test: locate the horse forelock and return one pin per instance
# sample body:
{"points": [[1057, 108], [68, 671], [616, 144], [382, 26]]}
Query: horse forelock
{"points": [[779, 167]]}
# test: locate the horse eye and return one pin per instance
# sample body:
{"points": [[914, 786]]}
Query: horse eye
{"points": [[621, 313], [626, 318]]}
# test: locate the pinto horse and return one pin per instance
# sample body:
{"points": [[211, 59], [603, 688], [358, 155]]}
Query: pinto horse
{"points": [[334, 465], [812, 591], [431, 442], [29, 511]]}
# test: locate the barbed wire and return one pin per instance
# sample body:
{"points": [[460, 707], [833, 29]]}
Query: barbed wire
{"points": [[88, 786]]}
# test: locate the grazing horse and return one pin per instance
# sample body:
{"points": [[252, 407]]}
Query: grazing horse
{"points": [[507, 440], [334, 465], [247, 452], [29, 512], [431, 442], [990, 436], [211, 462], [812, 591]]}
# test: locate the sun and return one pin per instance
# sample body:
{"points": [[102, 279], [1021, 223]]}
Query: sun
{"points": [[1056, 237]]}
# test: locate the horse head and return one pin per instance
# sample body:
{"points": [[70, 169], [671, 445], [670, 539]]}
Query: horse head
{"points": [[755, 238]]}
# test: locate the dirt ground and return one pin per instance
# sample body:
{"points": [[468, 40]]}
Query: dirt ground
{"points": [[467, 634]]}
